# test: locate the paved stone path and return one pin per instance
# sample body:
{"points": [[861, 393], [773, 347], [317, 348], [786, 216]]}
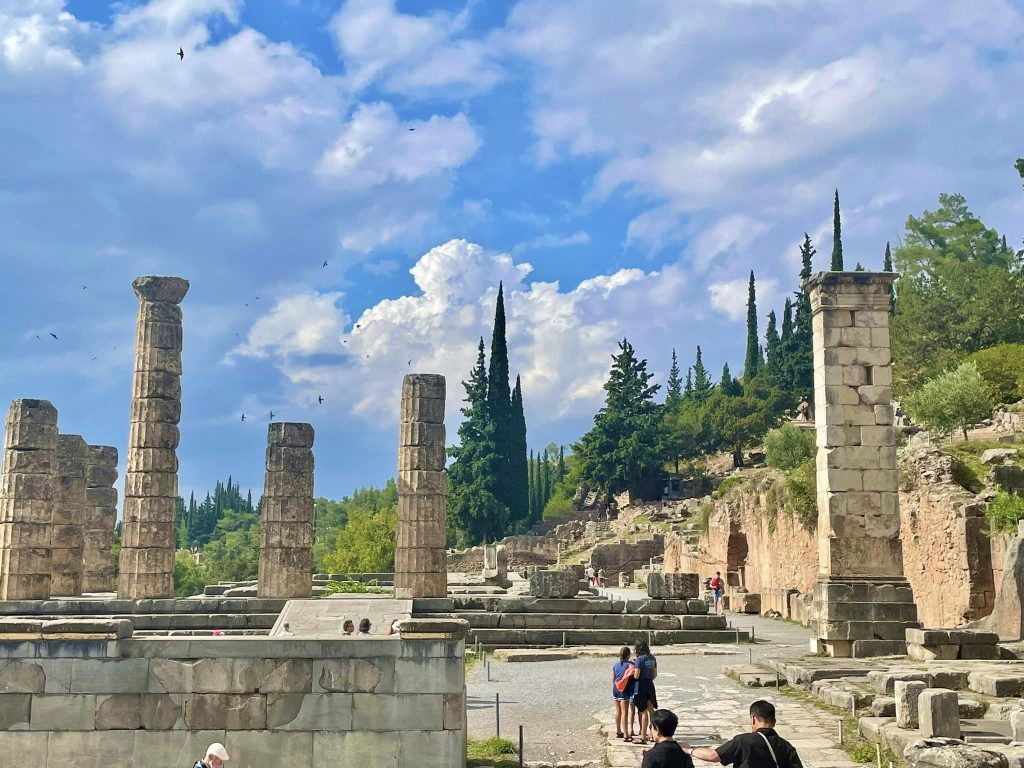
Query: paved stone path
{"points": [[567, 713]]}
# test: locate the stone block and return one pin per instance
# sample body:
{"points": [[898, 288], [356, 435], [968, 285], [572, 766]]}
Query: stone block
{"points": [[986, 652], [454, 711], [939, 713], [29, 746], [907, 694], [296, 461], [109, 675], [673, 586], [950, 753], [429, 675], [310, 711], [381, 712], [973, 637], [558, 584], [257, 749], [133, 711], [93, 749], [233, 712], [14, 711], [355, 748], [417, 433], [746, 602], [437, 749], [63, 712], [17, 676], [272, 675], [932, 652]]}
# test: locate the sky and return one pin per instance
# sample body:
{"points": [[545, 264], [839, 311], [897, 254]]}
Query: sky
{"points": [[620, 167]]}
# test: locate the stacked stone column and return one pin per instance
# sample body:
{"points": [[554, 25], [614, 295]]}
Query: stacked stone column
{"points": [[27, 489], [66, 544], [862, 603], [286, 525], [100, 517], [420, 561], [151, 483]]}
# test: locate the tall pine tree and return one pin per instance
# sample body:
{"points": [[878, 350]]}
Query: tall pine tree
{"points": [[520, 510], [799, 362], [837, 238], [773, 348], [499, 408], [702, 385], [728, 385], [688, 389], [561, 463], [887, 267], [752, 360], [674, 386]]}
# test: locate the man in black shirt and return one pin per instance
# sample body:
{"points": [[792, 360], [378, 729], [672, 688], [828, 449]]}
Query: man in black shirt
{"points": [[666, 752], [761, 748]]}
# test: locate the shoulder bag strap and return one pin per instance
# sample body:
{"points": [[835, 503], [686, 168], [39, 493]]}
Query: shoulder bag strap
{"points": [[770, 750]]}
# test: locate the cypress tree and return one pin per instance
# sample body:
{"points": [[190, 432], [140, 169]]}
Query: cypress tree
{"points": [[561, 463], [837, 238], [520, 511], [674, 386], [545, 469], [887, 267], [499, 407], [752, 360], [530, 488], [787, 320], [688, 389], [729, 386], [799, 357], [859, 268], [702, 385], [773, 348]]}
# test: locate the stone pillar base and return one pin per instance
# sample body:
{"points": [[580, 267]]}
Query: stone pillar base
{"points": [[862, 616]]}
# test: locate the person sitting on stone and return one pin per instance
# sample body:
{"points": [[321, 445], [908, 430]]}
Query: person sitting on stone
{"points": [[666, 752], [348, 628], [761, 748], [393, 629], [215, 757], [364, 626]]}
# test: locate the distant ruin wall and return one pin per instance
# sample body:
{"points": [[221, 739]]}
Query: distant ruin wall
{"points": [[951, 562], [626, 556], [522, 551]]}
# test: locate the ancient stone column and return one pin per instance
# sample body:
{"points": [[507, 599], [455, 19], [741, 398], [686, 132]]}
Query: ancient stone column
{"points": [[27, 489], [421, 568], [862, 602], [286, 525], [151, 483], [66, 545], [100, 517]]}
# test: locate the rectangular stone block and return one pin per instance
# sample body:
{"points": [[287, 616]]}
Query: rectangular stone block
{"points": [[420, 533], [153, 434], [156, 409], [134, 711], [381, 712], [422, 457], [158, 335], [63, 712], [297, 461], [287, 509], [255, 749], [420, 433], [422, 482], [310, 711], [290, 435], [673, 586], [427, 508], [932, 652], [152, 460], [939, 713], [156, 359], [438, 749], [147, 561], [149, 509], [25, 486], [109, 675], [286, 484], [14, 711], [155, 384], [18, 461], [431, 676], [420, 560], [232, 712], [422, 409], [356, 748], [287, 535], [145, 535]]}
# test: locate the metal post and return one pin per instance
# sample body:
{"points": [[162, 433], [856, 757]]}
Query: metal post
{"points": [[752, 634], [649, 640], [778, 684], [563, 639], [878, 755], [853, 707], [521, 748], [840, 732], [737, 635], [497, 713], [750, 656]]}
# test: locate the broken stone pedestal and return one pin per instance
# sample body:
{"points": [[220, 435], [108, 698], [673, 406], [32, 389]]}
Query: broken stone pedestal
{"points": [[673, 586], [948, 644], [907, 695], [939, 713], [554, 584], [951, 753], [745, 602]]}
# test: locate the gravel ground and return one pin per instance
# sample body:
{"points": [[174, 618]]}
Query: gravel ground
{"points": [[562, 703]]}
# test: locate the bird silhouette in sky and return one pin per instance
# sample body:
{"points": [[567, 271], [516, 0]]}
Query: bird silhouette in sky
{"points": [[411, 130], [95, 358], [410, 363], [358, 325], [321, 399], [247, 305], [257, 298], [37, 336], [271, 415], [181, 54], [84, 287], [325, 263], [54, 335], [243, 417]]}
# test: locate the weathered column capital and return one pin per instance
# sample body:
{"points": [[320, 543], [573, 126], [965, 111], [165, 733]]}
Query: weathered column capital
{"points": [[160, 289], [849, 290]]}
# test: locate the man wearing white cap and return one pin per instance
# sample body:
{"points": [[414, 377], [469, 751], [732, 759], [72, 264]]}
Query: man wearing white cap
{"points": [[216, 756]]}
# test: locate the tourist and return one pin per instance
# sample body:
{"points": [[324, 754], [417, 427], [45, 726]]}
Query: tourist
{"points": [[348, 628], [623, 685], [215, 757], [591, 574], [717, 590], [645, 697], [393, 629], [364, 626], [601, 575], [761, 748], [666, 752]]}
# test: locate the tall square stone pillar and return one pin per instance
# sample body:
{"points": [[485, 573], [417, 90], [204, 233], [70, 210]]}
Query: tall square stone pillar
{"points": [[862, 603], [148, 536], [66, 542], [100, 517], [421, 565], [27, 489], [286, 525]]}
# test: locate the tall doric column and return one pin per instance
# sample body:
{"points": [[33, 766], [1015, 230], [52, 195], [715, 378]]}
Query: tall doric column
{"points": [[286, 524], [862, 603], [100, 517], [27, 489], [66, 545], [151, 483], [421, 567]]}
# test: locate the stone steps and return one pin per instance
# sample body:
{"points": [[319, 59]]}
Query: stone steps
{"points": [[95, 607], [599, 621], [505, 638]]}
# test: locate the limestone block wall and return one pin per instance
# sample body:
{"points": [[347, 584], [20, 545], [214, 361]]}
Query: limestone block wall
{"points": [[522, 551], [627, 556], [303, 703]]}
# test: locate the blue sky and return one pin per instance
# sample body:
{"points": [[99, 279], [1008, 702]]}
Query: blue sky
{"points": [[621, 166]]}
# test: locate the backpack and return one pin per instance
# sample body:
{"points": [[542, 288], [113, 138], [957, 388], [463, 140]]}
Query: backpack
{"points": [[623, 682], [716, 583]]}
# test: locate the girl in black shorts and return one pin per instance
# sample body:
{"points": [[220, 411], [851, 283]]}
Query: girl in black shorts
{"points": [[645, 698]]}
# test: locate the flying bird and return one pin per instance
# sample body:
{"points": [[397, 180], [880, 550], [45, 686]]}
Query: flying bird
{"points": [[243, 417], [257, 298], [181, 54], [321, 399], [54, 335], [95, 358], [37, 336], [271, 415], [411, 130], [84, 287], [410, 363], [325, 263], [358, 325], [247, 305]]}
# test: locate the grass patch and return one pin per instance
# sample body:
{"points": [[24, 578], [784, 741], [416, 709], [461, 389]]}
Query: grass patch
{"points": [[354, 588], [727, 485], [971, 473], [1004, 512], [860, 750], [494, 748]]}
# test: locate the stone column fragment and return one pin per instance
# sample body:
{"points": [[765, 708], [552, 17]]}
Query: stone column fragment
{"points": [[151, 483], [286, 525], [100, 517], [27, 488], [421, 567], [66, 544], [862, 603]]}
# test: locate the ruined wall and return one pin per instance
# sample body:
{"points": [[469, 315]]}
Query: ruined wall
{"points": [[295, 702], [627, 556], [522, 551]]}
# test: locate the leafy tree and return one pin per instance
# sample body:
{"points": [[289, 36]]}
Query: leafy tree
{"points": [[625, 447], [702, 385], [959, 292], [545, 474], [1002, 367], [475, 509], [738, 422], [752, 360], [954, 400], [366, 543], [837, 237], [686, 432], [330, 517], [499, 410], [674, 385], [190, 578], [788, 446], [519, 512]]}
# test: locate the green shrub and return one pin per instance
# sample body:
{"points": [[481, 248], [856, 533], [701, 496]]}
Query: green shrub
{"points": [[354, 588], [802, 494], [1004, 511], [727, 485], [558, 506], [788, 447], [955, 400], [1002, 368], [494, 747]]}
